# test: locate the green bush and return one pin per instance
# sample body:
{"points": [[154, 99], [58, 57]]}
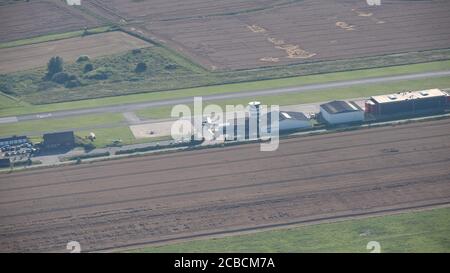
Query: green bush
{"points": [[72, 83], [55, 65], [6, 88], [60, 77], [101, 73], [88, 68], [83, 58], [47, 85], [170, 66], [140, 67]]}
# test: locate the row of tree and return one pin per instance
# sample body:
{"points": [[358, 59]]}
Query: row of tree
{"points": [[55, 71]]}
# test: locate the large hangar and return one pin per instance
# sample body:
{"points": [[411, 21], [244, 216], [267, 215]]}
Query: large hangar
{"points": [[408, 102], [338, 111], [288, 120]]}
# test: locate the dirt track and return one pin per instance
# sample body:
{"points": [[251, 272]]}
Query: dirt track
{"points": [[154, 198]]}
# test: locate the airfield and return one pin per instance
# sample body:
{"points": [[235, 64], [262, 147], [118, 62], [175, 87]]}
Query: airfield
{"points": [[179, 196], [283, 52]]}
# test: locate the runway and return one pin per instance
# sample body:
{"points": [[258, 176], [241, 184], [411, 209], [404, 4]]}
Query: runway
{"points": [[131, 107]]}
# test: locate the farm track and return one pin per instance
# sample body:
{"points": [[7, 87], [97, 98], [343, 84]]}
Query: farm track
{"points": [[161, 198]]}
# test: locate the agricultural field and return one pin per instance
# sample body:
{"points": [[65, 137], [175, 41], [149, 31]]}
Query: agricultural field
{"points": [[130, 10], [230, 35], [157, 199], [208, 43], [37, 55], [18, 19]]}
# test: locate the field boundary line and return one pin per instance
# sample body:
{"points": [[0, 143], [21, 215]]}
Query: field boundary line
{"points": [[262, 228]]}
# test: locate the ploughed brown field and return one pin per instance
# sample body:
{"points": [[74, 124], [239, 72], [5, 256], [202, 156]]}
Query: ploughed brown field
{"points": [[242, 34], [38, 17], [37, 55], [154, 199]]}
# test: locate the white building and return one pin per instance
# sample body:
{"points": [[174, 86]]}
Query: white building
{"points": [[336, 112], [241, 127], [288, 121], [73, 2]]}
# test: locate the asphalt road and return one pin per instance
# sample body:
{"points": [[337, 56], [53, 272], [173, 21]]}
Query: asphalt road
{"points": [[130, 107]]}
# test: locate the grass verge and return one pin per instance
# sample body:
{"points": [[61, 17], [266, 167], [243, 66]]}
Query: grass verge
{"points": [[47, 125], [424, 231]]}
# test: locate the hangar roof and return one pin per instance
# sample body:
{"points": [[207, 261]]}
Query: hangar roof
{"points": [[339, 106], [402, 96], [59, 137], [288, 115]]}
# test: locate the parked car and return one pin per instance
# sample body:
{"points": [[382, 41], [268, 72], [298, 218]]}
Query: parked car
{"points": [[6, 148]]}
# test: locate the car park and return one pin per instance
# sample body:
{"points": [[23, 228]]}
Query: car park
{"points": [[5, 148]]}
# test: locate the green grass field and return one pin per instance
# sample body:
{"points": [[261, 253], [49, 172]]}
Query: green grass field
{"points": [[16, 108], [107, 128], [59, 124], [424, 231]]}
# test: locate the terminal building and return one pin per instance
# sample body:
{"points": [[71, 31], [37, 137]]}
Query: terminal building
{"points": [[338, 112], [408, 102]]}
